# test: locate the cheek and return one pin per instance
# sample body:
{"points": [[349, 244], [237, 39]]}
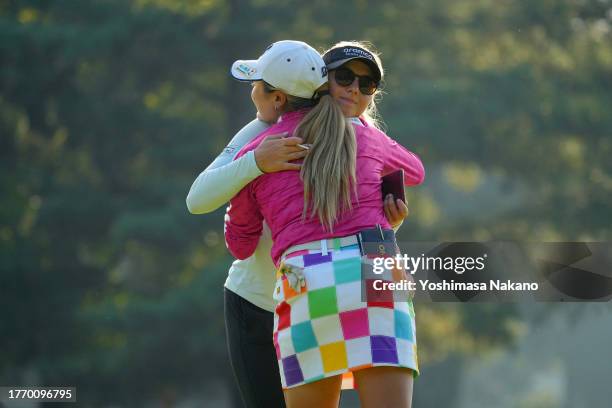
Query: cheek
{"points": [[334, 88], [260, 101], [266, 104], [364, 102], [265, 107]]}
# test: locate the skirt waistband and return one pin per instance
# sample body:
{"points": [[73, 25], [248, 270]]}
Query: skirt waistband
{"points": [[324, 245]]}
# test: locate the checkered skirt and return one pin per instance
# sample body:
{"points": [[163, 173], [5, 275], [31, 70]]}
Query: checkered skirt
{"points": [[322, 328]]}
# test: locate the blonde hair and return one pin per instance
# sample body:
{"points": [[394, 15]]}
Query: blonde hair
{"points": [[371, 114], [329, 170]]}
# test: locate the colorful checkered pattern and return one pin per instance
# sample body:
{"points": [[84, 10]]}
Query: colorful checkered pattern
{"points": [[324, 328]]}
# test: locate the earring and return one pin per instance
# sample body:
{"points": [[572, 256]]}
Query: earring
{"points": [[275, 108]]}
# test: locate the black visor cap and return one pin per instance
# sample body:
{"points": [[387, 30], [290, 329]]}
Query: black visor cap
{"points": [[340, 56]]}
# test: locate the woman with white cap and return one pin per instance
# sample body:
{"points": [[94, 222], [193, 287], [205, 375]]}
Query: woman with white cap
{"points": [[322, 328], [248, 303]]}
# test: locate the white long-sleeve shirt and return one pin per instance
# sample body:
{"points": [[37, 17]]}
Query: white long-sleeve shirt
{"points": [[252, 278]]}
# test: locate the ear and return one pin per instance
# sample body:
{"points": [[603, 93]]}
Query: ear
{"points": [[280, 99]]}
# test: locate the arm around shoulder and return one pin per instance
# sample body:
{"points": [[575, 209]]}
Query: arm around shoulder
{"points": [[224, 177], [216, 186]]}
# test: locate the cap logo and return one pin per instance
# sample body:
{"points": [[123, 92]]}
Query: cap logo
{"points": [[323, 71], [246, 70], [357, 52]]}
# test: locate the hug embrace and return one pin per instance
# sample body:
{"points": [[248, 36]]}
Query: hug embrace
{"points": [[304, 185]]}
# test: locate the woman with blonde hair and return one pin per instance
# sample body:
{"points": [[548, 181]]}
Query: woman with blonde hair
{"points": [[323, 329]]}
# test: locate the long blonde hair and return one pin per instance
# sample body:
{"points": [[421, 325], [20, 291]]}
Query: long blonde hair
{"points": [[328, 171]]}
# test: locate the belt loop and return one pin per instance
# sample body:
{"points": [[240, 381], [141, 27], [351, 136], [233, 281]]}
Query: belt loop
{"points": [[324, 247], [380, 231]]}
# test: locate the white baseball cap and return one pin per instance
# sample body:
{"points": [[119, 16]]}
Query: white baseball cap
{"points": [[291, 66]]}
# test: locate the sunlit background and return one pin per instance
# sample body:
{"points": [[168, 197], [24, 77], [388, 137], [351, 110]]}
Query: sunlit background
{"points": [[109, 110]]}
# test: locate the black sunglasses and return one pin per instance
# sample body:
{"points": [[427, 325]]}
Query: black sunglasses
{"points": [[345, 77]]}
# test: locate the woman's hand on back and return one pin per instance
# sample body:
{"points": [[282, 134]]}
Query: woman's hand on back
{"points": [[277, 151]]}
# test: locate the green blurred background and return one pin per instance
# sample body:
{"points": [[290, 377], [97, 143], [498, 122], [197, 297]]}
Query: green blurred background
{"points": [[110, 109]]}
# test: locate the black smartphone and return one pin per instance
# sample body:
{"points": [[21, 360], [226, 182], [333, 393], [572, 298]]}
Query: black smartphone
{"points": [[393, 183]]}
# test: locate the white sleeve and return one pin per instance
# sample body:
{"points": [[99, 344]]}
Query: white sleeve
{"points": [[225, 177]]}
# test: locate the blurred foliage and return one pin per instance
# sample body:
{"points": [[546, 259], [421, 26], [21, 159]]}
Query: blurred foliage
{"points": [[109, 109]]}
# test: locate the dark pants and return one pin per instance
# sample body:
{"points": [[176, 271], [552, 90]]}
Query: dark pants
{"points": [[248, 329]]}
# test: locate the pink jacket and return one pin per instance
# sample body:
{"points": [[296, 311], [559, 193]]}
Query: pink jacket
{"points": [[278, 197]]}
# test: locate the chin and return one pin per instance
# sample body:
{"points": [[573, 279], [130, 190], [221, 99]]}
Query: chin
{"points": [[348, 113]]}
